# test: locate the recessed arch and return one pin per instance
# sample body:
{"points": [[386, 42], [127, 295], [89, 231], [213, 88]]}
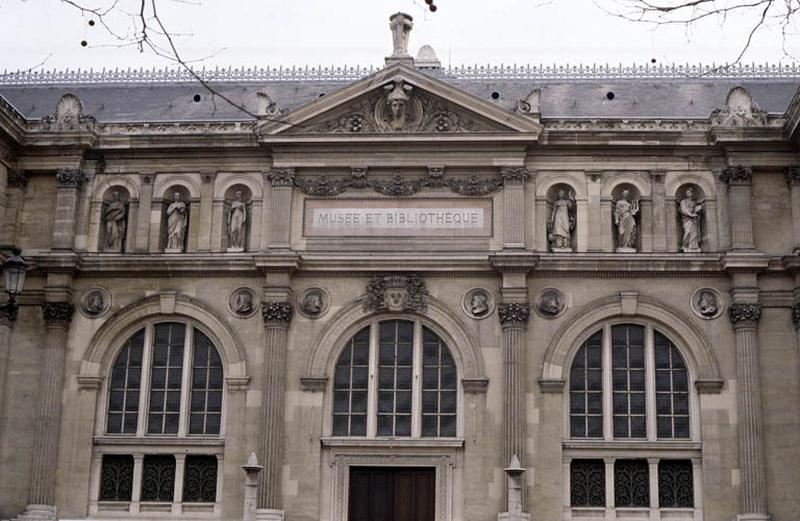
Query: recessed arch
{"points": [[106, 183], [544, 182], [352, 317], [688, 338], [104, 345], [673, 183], [619, 178], [166, 181], [225, 181]]}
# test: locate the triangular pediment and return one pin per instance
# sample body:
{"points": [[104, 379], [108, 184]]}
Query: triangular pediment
{"points": [[395, 102]]}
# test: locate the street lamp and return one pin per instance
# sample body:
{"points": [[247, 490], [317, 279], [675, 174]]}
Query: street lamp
{"points": [[14, 276]]}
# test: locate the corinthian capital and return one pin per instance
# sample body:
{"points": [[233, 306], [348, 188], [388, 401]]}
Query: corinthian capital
{"points": [[514, 314], [736, 175], [744, 314], [280, 312], [281, 176], [57, 313], [514, 174], [70, 177]]}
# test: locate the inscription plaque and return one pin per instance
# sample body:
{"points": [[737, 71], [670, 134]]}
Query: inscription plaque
{"points": [[398, 218]]}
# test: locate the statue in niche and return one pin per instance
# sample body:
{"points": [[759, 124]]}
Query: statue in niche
{"points": [[237, 218], [561, 222], [176, 224], [690, 212], [625, 212], [479, 304], [115, 215], [707, 304]]}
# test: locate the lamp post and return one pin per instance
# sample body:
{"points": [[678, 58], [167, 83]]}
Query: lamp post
{"points": [[14, 278]]}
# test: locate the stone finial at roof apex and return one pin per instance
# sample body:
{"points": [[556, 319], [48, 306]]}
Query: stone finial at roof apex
{"points": [[427, 59], [400, 24], [739, 111]]}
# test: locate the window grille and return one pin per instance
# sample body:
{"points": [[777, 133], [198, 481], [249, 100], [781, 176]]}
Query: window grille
{"points": [[206, 399], [675, 484], [158, 478], [587, 483], [124, 387], [438, 387], [116, 477], [672, 390], [165, 378], [350, 387], [631, 483], [628, 377], [586, 390], [200, 479]]}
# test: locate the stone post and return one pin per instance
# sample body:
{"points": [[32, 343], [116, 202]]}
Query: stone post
{"points": [[69, 181], [514, 503], [41, 504], [277, 316], [282, 180], [738, 178], [514, 179], [793, 178], [752, 494], [514, 321], [252, 469]]}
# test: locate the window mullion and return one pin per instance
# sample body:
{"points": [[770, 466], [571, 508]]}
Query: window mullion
{"points": [[608, 411], [649, 384], [372, 383], [144, 384], [183, 419], [136, 493], [416, 383]]}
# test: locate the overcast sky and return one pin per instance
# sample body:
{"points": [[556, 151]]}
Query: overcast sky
{"points": [[355, 32]]}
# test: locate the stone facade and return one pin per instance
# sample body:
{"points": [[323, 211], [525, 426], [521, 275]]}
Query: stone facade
{"points": [[401, 197]]}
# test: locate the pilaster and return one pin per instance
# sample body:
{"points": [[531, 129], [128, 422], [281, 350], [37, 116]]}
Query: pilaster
{"points": [[597, 225], [282, 180], [659, 219], [6, 322], [738, 179], [793, 178], [16, 184], [69, 183], [143, 217], [277, 316], [205, 214], [514, 179]]}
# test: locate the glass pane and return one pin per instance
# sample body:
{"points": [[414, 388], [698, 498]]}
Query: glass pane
{"points": [[448, 426], [358, 425], [672, 398], [403, 402], [123, 389], [402, 426], [341, 401], [165, 378], [340, 425], [430, 427], [577, 426], [350, 384], [594, 428]]}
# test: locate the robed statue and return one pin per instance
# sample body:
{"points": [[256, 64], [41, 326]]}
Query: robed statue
{"points": [[561, 222], [237, 219], [625, 212], [114, 216], [177, 214], [690, 213]]}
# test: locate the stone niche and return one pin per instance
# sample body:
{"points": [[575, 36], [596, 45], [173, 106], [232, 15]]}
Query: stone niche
{"points": [[234, 196]]}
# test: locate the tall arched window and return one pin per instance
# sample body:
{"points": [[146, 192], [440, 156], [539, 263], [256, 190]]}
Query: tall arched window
{"points": [[630, 440], [165, 387], [395, 378]]}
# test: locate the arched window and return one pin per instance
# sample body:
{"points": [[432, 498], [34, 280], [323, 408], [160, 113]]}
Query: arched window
{"points": [[163, 421], [629, 423], [395, 378]]}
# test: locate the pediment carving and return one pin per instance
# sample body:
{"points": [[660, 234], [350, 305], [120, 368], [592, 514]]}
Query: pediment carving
{"points": [[739, 111], [397, 107], [69, 116]]}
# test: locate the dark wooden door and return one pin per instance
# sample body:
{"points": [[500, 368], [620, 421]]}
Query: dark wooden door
{"points": [[392, 494]]}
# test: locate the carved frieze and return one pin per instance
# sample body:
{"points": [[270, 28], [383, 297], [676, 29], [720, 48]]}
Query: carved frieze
{"points": [[323, 185], [514, 314], [397, 186], [736, 175], [57, 313], [70, 177], [396, 293], [277, 312], [436, 177], [744, 313], [475, 185], [358, 177]]}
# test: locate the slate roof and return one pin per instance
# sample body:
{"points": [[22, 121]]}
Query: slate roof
{"points": [[571, 98]]}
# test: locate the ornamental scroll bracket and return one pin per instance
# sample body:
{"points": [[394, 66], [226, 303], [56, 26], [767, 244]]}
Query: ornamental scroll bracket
{"points": [[396, 293]]}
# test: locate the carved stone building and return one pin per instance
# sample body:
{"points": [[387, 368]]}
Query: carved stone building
{"points": [[412, 293]]}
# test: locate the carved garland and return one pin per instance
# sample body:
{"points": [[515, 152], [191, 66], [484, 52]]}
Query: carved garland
{"points": [[744, 313], [399, 186]]}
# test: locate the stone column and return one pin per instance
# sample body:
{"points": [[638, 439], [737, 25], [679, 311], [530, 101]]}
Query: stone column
{"points": [[514, 321], [752, 494], [514, 179], [41, 504], [738, 179], [277, 316], [69, 181], [282, 180], [793, 178]]}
